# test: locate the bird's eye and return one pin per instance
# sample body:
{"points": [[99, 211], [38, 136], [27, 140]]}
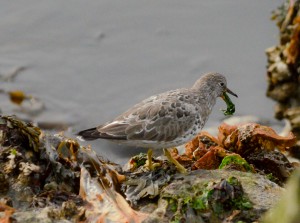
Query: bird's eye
{"points": [[221, 84]]}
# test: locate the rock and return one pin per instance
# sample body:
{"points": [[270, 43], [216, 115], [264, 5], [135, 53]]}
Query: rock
{"points": [[179, 200], [47, 178], [283, 69]]}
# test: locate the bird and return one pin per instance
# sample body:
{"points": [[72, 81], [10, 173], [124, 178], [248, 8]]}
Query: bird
{"points": [[165, 120]]}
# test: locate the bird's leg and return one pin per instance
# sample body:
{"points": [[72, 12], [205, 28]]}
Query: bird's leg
{"points": [[179, 167], [149, 155]]}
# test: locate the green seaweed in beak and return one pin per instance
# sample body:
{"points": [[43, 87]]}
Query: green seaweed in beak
{"points": [[230, 106]]}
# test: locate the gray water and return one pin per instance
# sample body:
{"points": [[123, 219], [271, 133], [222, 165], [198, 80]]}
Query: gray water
{"points": [[88, 61]]}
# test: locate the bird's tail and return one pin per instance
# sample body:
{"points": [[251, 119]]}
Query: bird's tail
{"points": [[88, 134]]}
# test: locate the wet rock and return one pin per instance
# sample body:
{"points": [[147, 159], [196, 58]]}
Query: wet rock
{"points": [[37, 216], [283, 69], [246, 147], [42, 176], [236, 162], [283, 92], [295, 151], [272, 163], [204, 196], [46, 178], [14, 131], [4, 184], [293, 115], [146, 184], [208, 161], [104, 204], [250, 137]]}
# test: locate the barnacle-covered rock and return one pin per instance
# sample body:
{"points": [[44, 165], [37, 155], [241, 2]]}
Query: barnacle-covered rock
{"points": [[283, 69], [293, 114], [283, 92]]}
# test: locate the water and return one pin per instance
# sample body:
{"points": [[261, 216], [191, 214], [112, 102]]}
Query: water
{"points": [[88, 61]]}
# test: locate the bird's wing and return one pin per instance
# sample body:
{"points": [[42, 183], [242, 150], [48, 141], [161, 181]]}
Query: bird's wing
{"points": [[154, 120], [130, 119]]}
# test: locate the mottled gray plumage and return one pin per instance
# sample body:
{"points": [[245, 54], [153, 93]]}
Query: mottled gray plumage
{"points": [[165, 120]]}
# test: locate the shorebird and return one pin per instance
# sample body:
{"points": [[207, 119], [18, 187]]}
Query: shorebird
{"points": [[165, 120]]}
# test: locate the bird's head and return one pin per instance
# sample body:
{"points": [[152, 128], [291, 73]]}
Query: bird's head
{"points": [[214, 83]]}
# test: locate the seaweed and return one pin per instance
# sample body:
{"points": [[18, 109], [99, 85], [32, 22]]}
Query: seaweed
{"points": [[230, 106], [212, 201], [236, 161]]}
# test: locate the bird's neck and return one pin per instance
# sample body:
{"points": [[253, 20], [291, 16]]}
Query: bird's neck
{"points": [[210, 100], [207, 98]]}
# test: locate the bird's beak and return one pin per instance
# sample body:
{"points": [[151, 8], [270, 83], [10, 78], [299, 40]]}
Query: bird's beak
{"points": [[230, 92]]}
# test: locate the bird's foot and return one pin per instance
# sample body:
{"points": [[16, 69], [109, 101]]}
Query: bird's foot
{"points": [[179, 167], [152, 166], [149, 160], [149, 163]]}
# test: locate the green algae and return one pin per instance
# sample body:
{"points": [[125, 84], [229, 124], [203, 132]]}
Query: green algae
{"points": [[236, 160], [138, 160], [216, 198], [230, 106], [13, 152], [271, 177]]}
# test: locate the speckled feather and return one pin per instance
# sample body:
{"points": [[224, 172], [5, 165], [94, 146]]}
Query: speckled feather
{"points": [[164, 120]]}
